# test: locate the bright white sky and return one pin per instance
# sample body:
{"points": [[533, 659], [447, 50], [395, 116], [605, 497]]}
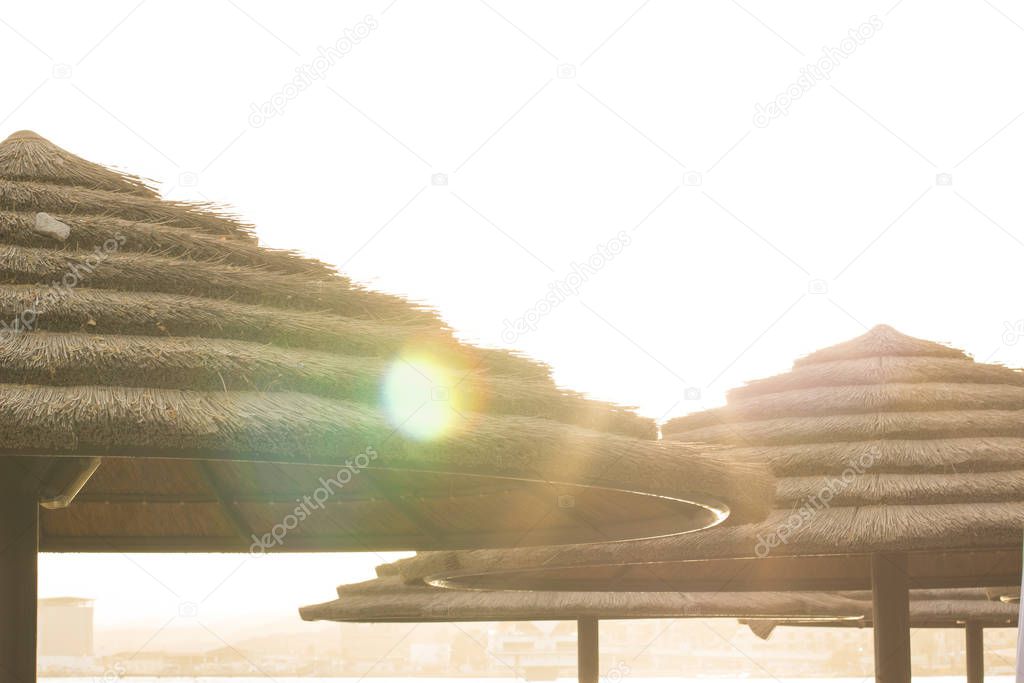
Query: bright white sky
{"points": [[799, 234]]}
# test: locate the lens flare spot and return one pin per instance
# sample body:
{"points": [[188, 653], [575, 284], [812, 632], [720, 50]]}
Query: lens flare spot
{"points": [[420, 397]]}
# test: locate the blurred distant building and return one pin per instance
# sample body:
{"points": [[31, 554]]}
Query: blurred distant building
{"points": [[65, 636], [66, 627], [535, 650]]}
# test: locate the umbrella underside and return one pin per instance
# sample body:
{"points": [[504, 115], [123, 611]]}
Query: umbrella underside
{"points": [[162, 505]]}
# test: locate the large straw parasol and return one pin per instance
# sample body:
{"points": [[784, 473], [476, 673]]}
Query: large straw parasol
{"points": [[899, 464], [250, 399]]}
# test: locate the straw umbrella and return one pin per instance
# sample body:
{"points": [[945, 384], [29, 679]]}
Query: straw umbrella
{"points": [[389, 599], [244, 398], [899, 465], [972, 609]]}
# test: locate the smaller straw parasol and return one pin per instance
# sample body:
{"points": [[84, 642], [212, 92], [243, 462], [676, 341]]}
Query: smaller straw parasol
{"points": [[389, 599], [882, 444], [898, 465]]}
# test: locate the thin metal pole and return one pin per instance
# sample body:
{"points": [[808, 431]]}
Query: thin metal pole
{"points": [[975, 641], [19, 547], [890, 601], [587, 651]]}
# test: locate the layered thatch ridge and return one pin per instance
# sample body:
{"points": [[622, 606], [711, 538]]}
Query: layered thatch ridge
{"points": [[86, 233], [135, 326], [63, 200], [390, 600], [882, 443]]}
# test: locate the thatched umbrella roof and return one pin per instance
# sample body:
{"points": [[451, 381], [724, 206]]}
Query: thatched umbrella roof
{"points": [[388, 599], [203, 368], [885, 443]]}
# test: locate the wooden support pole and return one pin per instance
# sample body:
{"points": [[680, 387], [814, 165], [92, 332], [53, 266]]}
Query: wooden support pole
{"points": [[890, 600], [19, 547], [587, 651], [975, 640]]}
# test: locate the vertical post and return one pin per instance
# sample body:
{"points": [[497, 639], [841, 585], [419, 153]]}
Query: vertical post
{"points": [[1020, 640], [890, 602], [975, 637], [587, 666], [19, 546]]}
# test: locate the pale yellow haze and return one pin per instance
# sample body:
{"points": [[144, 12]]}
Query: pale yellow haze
{"points": [[475, 158]]}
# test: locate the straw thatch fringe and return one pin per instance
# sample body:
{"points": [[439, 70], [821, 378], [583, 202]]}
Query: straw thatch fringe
{"points": [[982, 454], [881, 340], [78, 201], [89, 232], [388, 600], [850, 400], [26, 156], [917, 425], [228, 365], [883, 370], [902, 489], [133, 272], [286, 427]]}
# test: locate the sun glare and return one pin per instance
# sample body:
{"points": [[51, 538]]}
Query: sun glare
{"points": [[420, 396]]}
